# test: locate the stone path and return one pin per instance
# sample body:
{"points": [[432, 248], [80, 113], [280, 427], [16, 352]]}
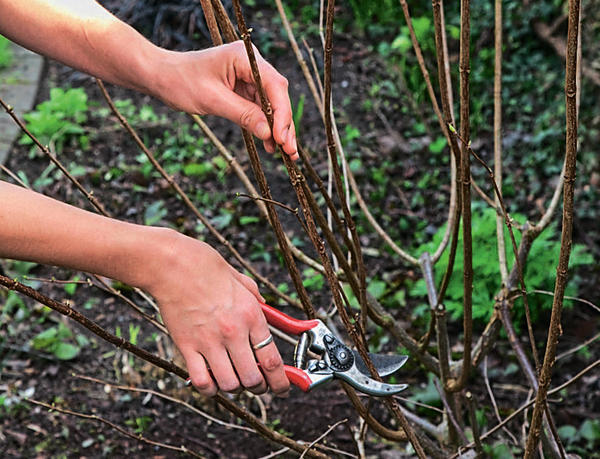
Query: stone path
{"points": [[18, 87]]}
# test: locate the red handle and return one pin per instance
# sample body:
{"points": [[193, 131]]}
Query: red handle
{"points": [[286, 323], [298, 377]]}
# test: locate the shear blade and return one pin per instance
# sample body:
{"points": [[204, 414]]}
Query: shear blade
{"points": [[368, 385], [384, 363]]}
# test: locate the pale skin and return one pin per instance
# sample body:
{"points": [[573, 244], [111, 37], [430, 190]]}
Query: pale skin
{"points": [[211, 310]]}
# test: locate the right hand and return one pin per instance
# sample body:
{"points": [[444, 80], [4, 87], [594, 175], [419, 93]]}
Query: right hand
{"points": [[214, 316]]}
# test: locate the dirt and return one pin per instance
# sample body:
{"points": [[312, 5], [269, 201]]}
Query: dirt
{"points": [[28, 430]]}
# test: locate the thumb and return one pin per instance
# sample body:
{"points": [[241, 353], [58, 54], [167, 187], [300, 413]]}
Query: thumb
{"points": [[246, 114]]}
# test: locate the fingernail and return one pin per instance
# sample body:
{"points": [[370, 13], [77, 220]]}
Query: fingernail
{"points": [[291, 138], [263, 130], [284, 394], [262, 298]]}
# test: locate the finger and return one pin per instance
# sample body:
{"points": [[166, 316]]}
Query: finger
{"points": [[245, 365], [249, 283], [269, 146], [290, 143], [276, 87], [222, 370], [270, 361], [199, 374], [245, 113]]}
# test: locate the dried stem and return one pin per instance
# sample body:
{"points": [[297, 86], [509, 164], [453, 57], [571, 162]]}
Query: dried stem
{"points": [[465, 175], [165, 397], [498, 136], [186, 199], [96, 418], [529, 403], [241, 174], [168, 366], [88, 194], [567, 226], [474, 424]]}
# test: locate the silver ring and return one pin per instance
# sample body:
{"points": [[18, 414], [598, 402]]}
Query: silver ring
{"points": [[263, 343]]}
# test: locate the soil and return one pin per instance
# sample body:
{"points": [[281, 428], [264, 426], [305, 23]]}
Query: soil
{"points": [[28, 430]]}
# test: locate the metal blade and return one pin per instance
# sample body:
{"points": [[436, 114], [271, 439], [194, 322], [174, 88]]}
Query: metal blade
{"points": [[368, 385], [386, 364]]}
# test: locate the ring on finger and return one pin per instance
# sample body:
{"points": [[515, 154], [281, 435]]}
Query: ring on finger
{"points": [[263, 343]]}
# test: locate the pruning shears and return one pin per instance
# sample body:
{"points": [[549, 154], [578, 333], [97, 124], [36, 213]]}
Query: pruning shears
{"points": [[337, 359]]}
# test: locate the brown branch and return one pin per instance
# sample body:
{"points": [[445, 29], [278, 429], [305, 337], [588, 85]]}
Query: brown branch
{"points": [[474, 424], [88, 194], [321, 437], [239, 171], [465, 174], [498, 134], [211, 22], [545, 32], [182, 194], [567, 225], [445, 97], [337, 174], [94, 417], [529, 403], [168, 366], [452, 211], [165, 397]]}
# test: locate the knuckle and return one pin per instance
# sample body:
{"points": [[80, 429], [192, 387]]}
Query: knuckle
{"points": [[202, 382], [230, 386], [229, 330], [272, 363], [252, 380], [246, 118], [280, 388], [284, 83]]}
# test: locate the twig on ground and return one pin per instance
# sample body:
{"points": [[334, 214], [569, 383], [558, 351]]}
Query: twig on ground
{"points": [[321, 437], [138, 437], [165, 397]]}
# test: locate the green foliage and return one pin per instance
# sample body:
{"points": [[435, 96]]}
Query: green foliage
{"points": [[155, 213], [140, 423], [59, 119], [6, 54], [313, 280], [539, 273], [60, 342], [582, 439]]}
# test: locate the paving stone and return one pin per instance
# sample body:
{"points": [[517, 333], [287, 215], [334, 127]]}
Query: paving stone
{"points": [[18, 87]]}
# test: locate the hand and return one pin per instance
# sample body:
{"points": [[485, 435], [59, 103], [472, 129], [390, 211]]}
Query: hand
{"points": [[213, 314], [218, 81]]}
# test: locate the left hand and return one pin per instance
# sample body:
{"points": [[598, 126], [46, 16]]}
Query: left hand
{"points": [[218, 81]]}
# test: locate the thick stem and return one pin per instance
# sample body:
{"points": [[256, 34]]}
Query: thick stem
{"points": [[465, 174], [567, 226], [498, 136], [170, 367]]}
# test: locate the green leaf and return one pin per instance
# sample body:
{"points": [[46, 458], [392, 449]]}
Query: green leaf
{"points": [[66, 351], [70, 288], [438, 145], [377, 288], [568, 434], [44, 339], [154, 213], [248, 219]]}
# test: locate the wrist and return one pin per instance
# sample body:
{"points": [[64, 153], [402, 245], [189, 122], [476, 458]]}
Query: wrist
{"points": [[148, 254]]}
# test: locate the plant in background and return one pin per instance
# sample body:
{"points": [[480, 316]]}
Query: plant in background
{"points": [[59, 341], [6, 53], [59, 119], [539, 272]]}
